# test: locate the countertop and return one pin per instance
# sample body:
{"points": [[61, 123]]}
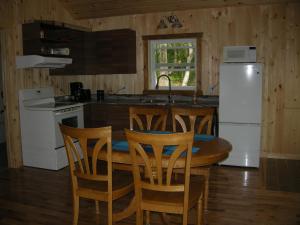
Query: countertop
{"points": [[159, 100]]}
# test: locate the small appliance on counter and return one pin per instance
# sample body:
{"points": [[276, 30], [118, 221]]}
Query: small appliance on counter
{"points": [[100, 95], [78, 93], [85, 95], [75, 89]]}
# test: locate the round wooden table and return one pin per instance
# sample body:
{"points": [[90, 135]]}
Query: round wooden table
{"points": [[210, 152]]}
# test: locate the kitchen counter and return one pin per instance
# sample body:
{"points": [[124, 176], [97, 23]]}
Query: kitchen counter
{"points": [[159, 100], [114, 109]]}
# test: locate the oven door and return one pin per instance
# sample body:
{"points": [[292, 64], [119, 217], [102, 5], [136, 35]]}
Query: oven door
{"points": [[72, 117]]}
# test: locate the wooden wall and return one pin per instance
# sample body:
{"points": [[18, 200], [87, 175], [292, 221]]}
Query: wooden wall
{"points": [[21, 11], [274, 29]]}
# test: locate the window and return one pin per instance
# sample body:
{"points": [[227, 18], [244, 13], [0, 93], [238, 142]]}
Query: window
{"points": [[174, 56]]}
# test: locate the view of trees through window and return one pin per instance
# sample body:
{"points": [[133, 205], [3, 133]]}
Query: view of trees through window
{"points": [[175, 58]]}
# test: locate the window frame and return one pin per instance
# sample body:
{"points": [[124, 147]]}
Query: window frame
{"points": [[152, 68], [198, 62]]}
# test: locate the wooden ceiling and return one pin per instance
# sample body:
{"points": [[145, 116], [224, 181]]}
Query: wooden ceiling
{"points": [[86, 9]]}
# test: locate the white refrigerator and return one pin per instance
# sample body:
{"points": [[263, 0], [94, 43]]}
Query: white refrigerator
{"points": [[240, 104]]}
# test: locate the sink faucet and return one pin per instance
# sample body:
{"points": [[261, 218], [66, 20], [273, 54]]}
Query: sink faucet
{"points": [[169, 80]]}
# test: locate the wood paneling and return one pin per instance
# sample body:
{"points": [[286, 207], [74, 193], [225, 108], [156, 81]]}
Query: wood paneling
{"points": [[7, 13], [273, 28], [13, 79], [86, 9]]}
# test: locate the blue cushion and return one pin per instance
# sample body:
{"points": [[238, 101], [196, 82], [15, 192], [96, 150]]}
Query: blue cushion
{"points": [[203, 137], [197, 137], [123, 146], [168, 150], [120, 145]]}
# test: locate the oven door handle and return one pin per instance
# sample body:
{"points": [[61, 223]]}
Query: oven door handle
{"points": [[66, 112]]}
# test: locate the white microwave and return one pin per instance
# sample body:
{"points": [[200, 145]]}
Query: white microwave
{"points": [[232, 54]]}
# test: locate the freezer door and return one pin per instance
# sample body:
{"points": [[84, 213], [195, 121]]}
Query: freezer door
{"points": [[245, 140], [240, 93]]}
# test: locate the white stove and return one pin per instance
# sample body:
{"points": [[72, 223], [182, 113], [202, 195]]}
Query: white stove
{"points": [[42, 142]]}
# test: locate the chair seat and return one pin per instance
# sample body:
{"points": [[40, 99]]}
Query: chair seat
{"points": [[122, 183], [173, 202]]}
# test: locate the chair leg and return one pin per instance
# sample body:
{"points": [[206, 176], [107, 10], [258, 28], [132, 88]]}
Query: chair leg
{"points": [[206, 189], [97, 207], [109, 213], [139, 217], [200, 210], [165, 218], [147, 217], [185, 218], [75, 209]]}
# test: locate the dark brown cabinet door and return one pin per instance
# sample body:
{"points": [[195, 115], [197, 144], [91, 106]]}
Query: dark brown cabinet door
{"points": [[111, 52], [99, 115]]}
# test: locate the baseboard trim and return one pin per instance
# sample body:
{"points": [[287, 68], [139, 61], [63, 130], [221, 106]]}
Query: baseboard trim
{"points": [[280, 156]]}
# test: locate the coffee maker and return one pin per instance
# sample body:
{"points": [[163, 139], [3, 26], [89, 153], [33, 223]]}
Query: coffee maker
{"points": [[78, 93], [75, 88]]}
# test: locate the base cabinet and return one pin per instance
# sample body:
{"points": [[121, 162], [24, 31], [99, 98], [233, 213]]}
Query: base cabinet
{"points": [[117, 116], [99, 115]]}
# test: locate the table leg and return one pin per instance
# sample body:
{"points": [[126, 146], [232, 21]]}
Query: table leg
{"points": [[205, 172], [202, 171]]}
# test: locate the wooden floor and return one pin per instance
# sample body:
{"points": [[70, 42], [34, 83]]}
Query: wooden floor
{"points": [[237, 196]]}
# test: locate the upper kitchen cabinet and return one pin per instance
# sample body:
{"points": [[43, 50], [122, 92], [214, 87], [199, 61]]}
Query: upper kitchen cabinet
{"points": [[111, 52], [76, 46], [55, 40], [101, 52], [49, 39]]}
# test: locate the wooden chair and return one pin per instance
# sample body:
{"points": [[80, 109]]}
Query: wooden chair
{"points": [[148, 118], [87, 179], [159, 192], [198, 120], [144, 118]]}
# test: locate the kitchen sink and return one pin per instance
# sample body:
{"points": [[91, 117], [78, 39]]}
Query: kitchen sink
{"points": [[156, 101], [182, 102]]}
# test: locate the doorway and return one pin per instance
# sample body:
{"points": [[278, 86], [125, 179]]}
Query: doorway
{"points": [[3, 154]]}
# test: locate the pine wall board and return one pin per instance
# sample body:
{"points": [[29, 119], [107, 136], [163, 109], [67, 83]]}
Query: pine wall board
{"points": [[273, 29], [22, 11]]}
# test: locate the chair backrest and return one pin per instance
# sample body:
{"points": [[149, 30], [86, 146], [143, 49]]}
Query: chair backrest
{"points": [[198, 120], [148, 150], [148, 118], [78, 141]]}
